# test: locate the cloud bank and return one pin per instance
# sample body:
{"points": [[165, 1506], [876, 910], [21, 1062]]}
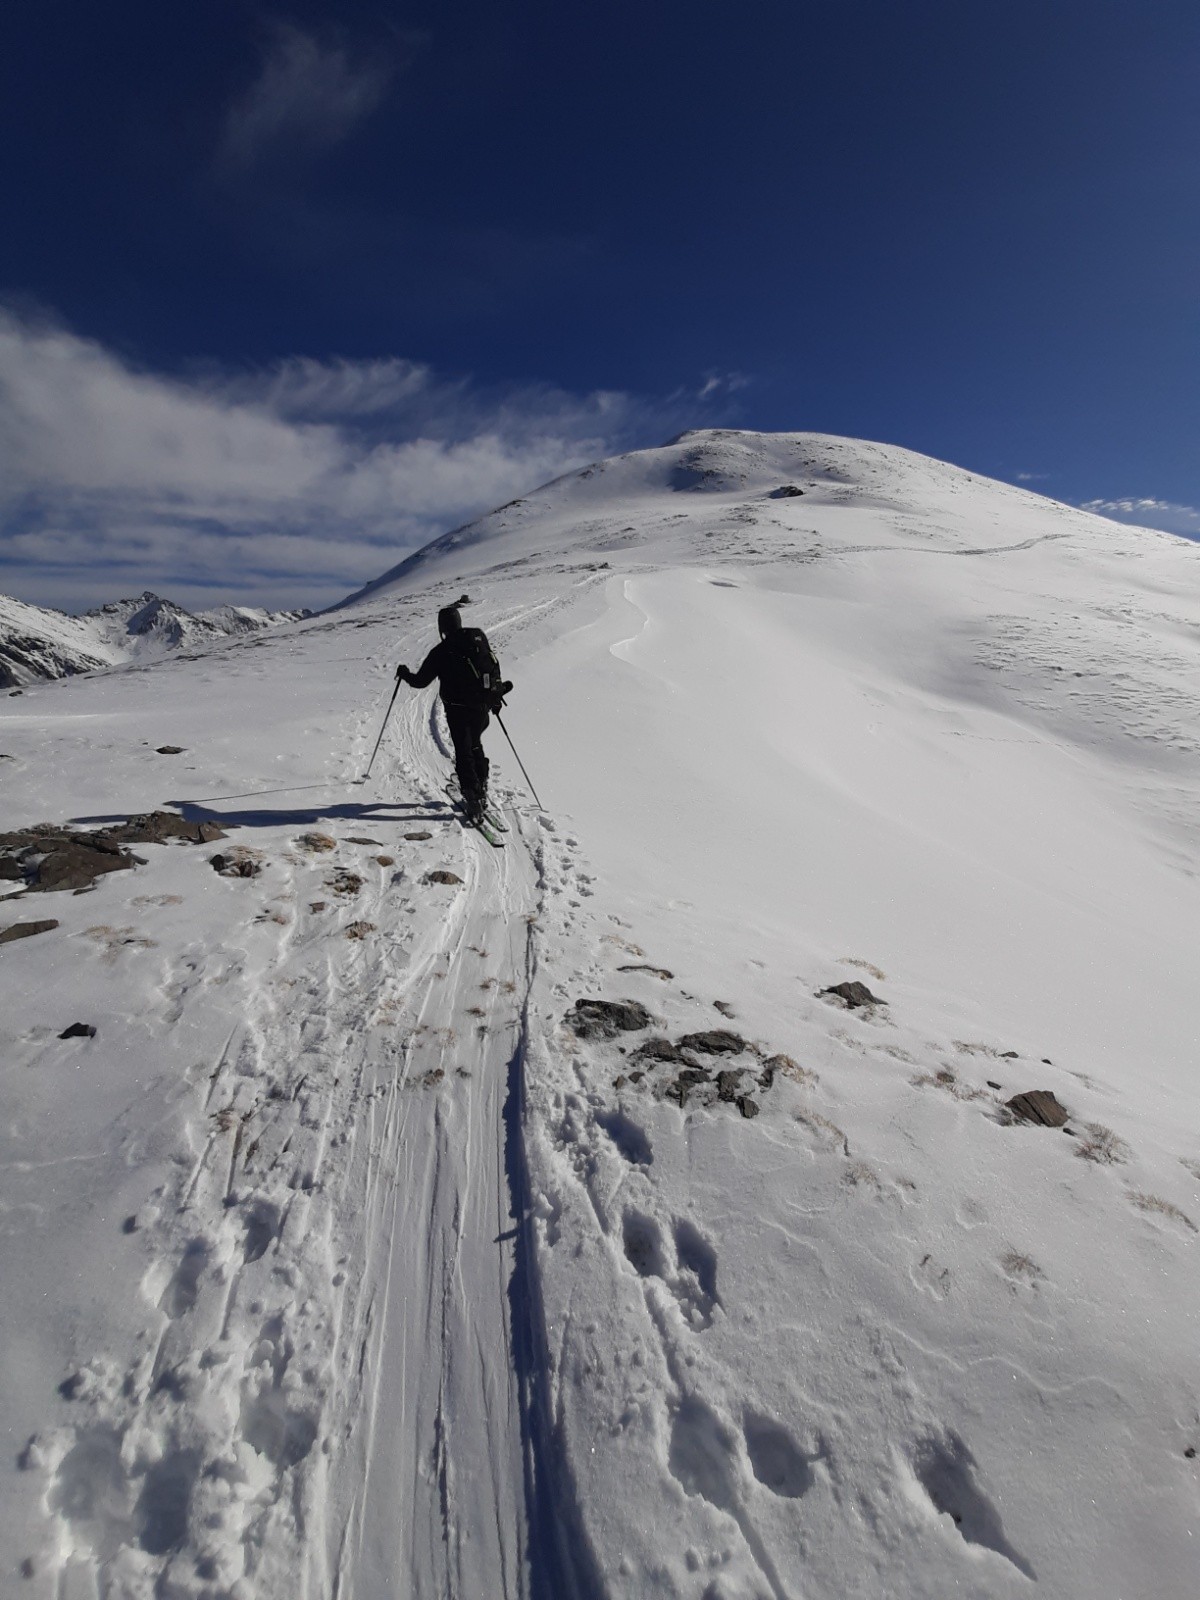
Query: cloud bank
{"points": [[290, 486], [1147, 512]]}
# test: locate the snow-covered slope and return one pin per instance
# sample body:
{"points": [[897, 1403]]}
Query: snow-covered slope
{"points": [[36, 643], [349, 1267]]}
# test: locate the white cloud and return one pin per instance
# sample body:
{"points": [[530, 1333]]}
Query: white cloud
{"points": [[308, 95], [303, 481], [1146, 512]]}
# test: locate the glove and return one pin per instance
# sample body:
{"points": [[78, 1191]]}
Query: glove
{"points": [[497, 696], [402, 674]]}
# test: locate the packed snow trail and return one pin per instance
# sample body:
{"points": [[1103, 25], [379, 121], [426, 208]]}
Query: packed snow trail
{"points": [[437, 1447]]}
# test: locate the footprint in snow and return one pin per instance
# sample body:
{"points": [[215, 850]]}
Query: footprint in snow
{"points": [[946, 1471]]}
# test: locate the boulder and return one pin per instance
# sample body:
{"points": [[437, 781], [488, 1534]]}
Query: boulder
{"points": [[747, 1106], [440, 875], [786, 491]]}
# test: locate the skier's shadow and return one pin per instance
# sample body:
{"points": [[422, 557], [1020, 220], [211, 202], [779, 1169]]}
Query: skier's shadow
{"points": [[379, 811], [299, 816]]}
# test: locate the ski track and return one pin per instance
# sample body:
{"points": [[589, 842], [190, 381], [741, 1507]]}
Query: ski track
{"points": [[329, 1369]]}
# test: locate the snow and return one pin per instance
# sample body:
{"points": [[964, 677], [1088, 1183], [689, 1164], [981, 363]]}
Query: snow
{"points": [[347, 1268]]}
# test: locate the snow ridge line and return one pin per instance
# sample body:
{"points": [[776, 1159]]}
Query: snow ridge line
{"points": [[560, 1562]]}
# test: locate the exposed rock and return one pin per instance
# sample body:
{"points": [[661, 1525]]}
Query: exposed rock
{"points": [[53, 859], [159, 827], [386, 861], [359, 930], [25, 930], [853, 994], [169, 750], [344, 882], [687, 1080], [604, 1019], [714, 1042], [352, 838], [48, 858], [659, 1050], [78, 1030], [747, 1106], [1038, 1105], [727, 1085], [440, 875], [725, 1007], [416, 838], [237, 863], [641, 966], [316, 842], [786, 491]]}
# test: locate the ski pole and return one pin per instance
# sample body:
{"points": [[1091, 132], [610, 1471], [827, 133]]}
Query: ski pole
{"points": [[379, 741], [520, 763]]}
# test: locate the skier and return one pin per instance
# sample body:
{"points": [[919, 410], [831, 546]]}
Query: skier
{"points": [[469, 682]]}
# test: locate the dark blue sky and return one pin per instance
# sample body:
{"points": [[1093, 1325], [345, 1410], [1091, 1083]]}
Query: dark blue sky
{"points": [[972, 229]]}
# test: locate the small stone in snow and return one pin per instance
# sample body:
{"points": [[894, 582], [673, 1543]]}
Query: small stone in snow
{"points": [[169, 750], [992, 1084], [316, 842], [78, 1030], [386, 861], [440, 875], [425, 834], [26, 930], [748, 1107]]}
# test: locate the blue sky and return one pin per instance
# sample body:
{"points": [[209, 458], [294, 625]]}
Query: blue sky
{"points": [[286, 288]]}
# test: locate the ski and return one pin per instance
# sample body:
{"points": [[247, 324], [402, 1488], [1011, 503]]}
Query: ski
{"points": [[491, 815], [492, 837]]}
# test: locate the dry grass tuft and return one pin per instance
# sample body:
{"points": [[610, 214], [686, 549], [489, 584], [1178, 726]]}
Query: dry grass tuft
{"points": [[1103, 1146], [1153, 1202]]}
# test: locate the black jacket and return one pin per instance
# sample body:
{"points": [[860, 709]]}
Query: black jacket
{"points": [[458, 678]]}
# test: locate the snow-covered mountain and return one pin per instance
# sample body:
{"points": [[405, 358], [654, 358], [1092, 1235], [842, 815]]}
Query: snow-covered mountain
{"points": [[37, 643], [353, 1256]]}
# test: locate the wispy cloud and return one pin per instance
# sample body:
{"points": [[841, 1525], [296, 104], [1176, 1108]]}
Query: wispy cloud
{"points": [[1147, 512], [309, 94], [288, 486]]}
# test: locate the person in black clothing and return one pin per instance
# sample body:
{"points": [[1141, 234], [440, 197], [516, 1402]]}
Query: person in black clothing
{"points": [[470, 686]]}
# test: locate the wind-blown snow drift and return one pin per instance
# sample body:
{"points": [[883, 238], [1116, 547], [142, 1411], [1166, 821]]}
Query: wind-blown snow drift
{"points": [[421, 1291]]}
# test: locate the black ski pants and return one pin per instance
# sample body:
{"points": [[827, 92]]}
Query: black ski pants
{"points": [[466, 724]]}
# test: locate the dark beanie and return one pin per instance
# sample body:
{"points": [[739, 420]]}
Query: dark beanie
{"points": [[449, 620]]}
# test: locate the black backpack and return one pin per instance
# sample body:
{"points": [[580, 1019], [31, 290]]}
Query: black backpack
{"points": [[471, 676]]}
